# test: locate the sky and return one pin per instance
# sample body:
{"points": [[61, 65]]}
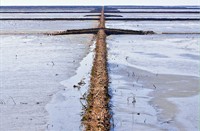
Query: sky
{"points": [[99, 2]]}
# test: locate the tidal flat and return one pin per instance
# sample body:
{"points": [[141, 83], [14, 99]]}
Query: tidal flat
{"points": [[153, 78]]}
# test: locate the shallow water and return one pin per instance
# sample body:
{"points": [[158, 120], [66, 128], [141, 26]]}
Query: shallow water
{"points": [[162, 54], [186, 9], [45, 15], [157, 26], [7, 27], [38, 71], [156, 15], [66, 109], [44, 9], [147, 73], [32, 67]]}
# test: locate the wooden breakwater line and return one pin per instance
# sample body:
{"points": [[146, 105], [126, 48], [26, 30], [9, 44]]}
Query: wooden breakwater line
{"points": [[97, 116], [108, 31]]}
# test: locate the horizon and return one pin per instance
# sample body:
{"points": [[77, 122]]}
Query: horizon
{"points": [[100, 3]]}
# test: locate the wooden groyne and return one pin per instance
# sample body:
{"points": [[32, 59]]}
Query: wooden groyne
{"points": [[97, 116], [108, 31]]}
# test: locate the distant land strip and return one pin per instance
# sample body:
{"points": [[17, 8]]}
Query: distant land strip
{"points": [[113, 19]]}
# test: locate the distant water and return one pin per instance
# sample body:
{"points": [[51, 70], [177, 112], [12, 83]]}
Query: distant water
{"points": [[43, 8], [83, 8]]}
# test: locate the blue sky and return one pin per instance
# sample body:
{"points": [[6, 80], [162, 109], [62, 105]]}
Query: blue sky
{"points": [[100, 2]]}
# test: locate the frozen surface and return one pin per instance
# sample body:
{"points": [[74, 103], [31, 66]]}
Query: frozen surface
{"points": [[43, 26], [163, 54], [157, 26], [44, 15], [156, 15], [32, 69], [150, 78]]}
